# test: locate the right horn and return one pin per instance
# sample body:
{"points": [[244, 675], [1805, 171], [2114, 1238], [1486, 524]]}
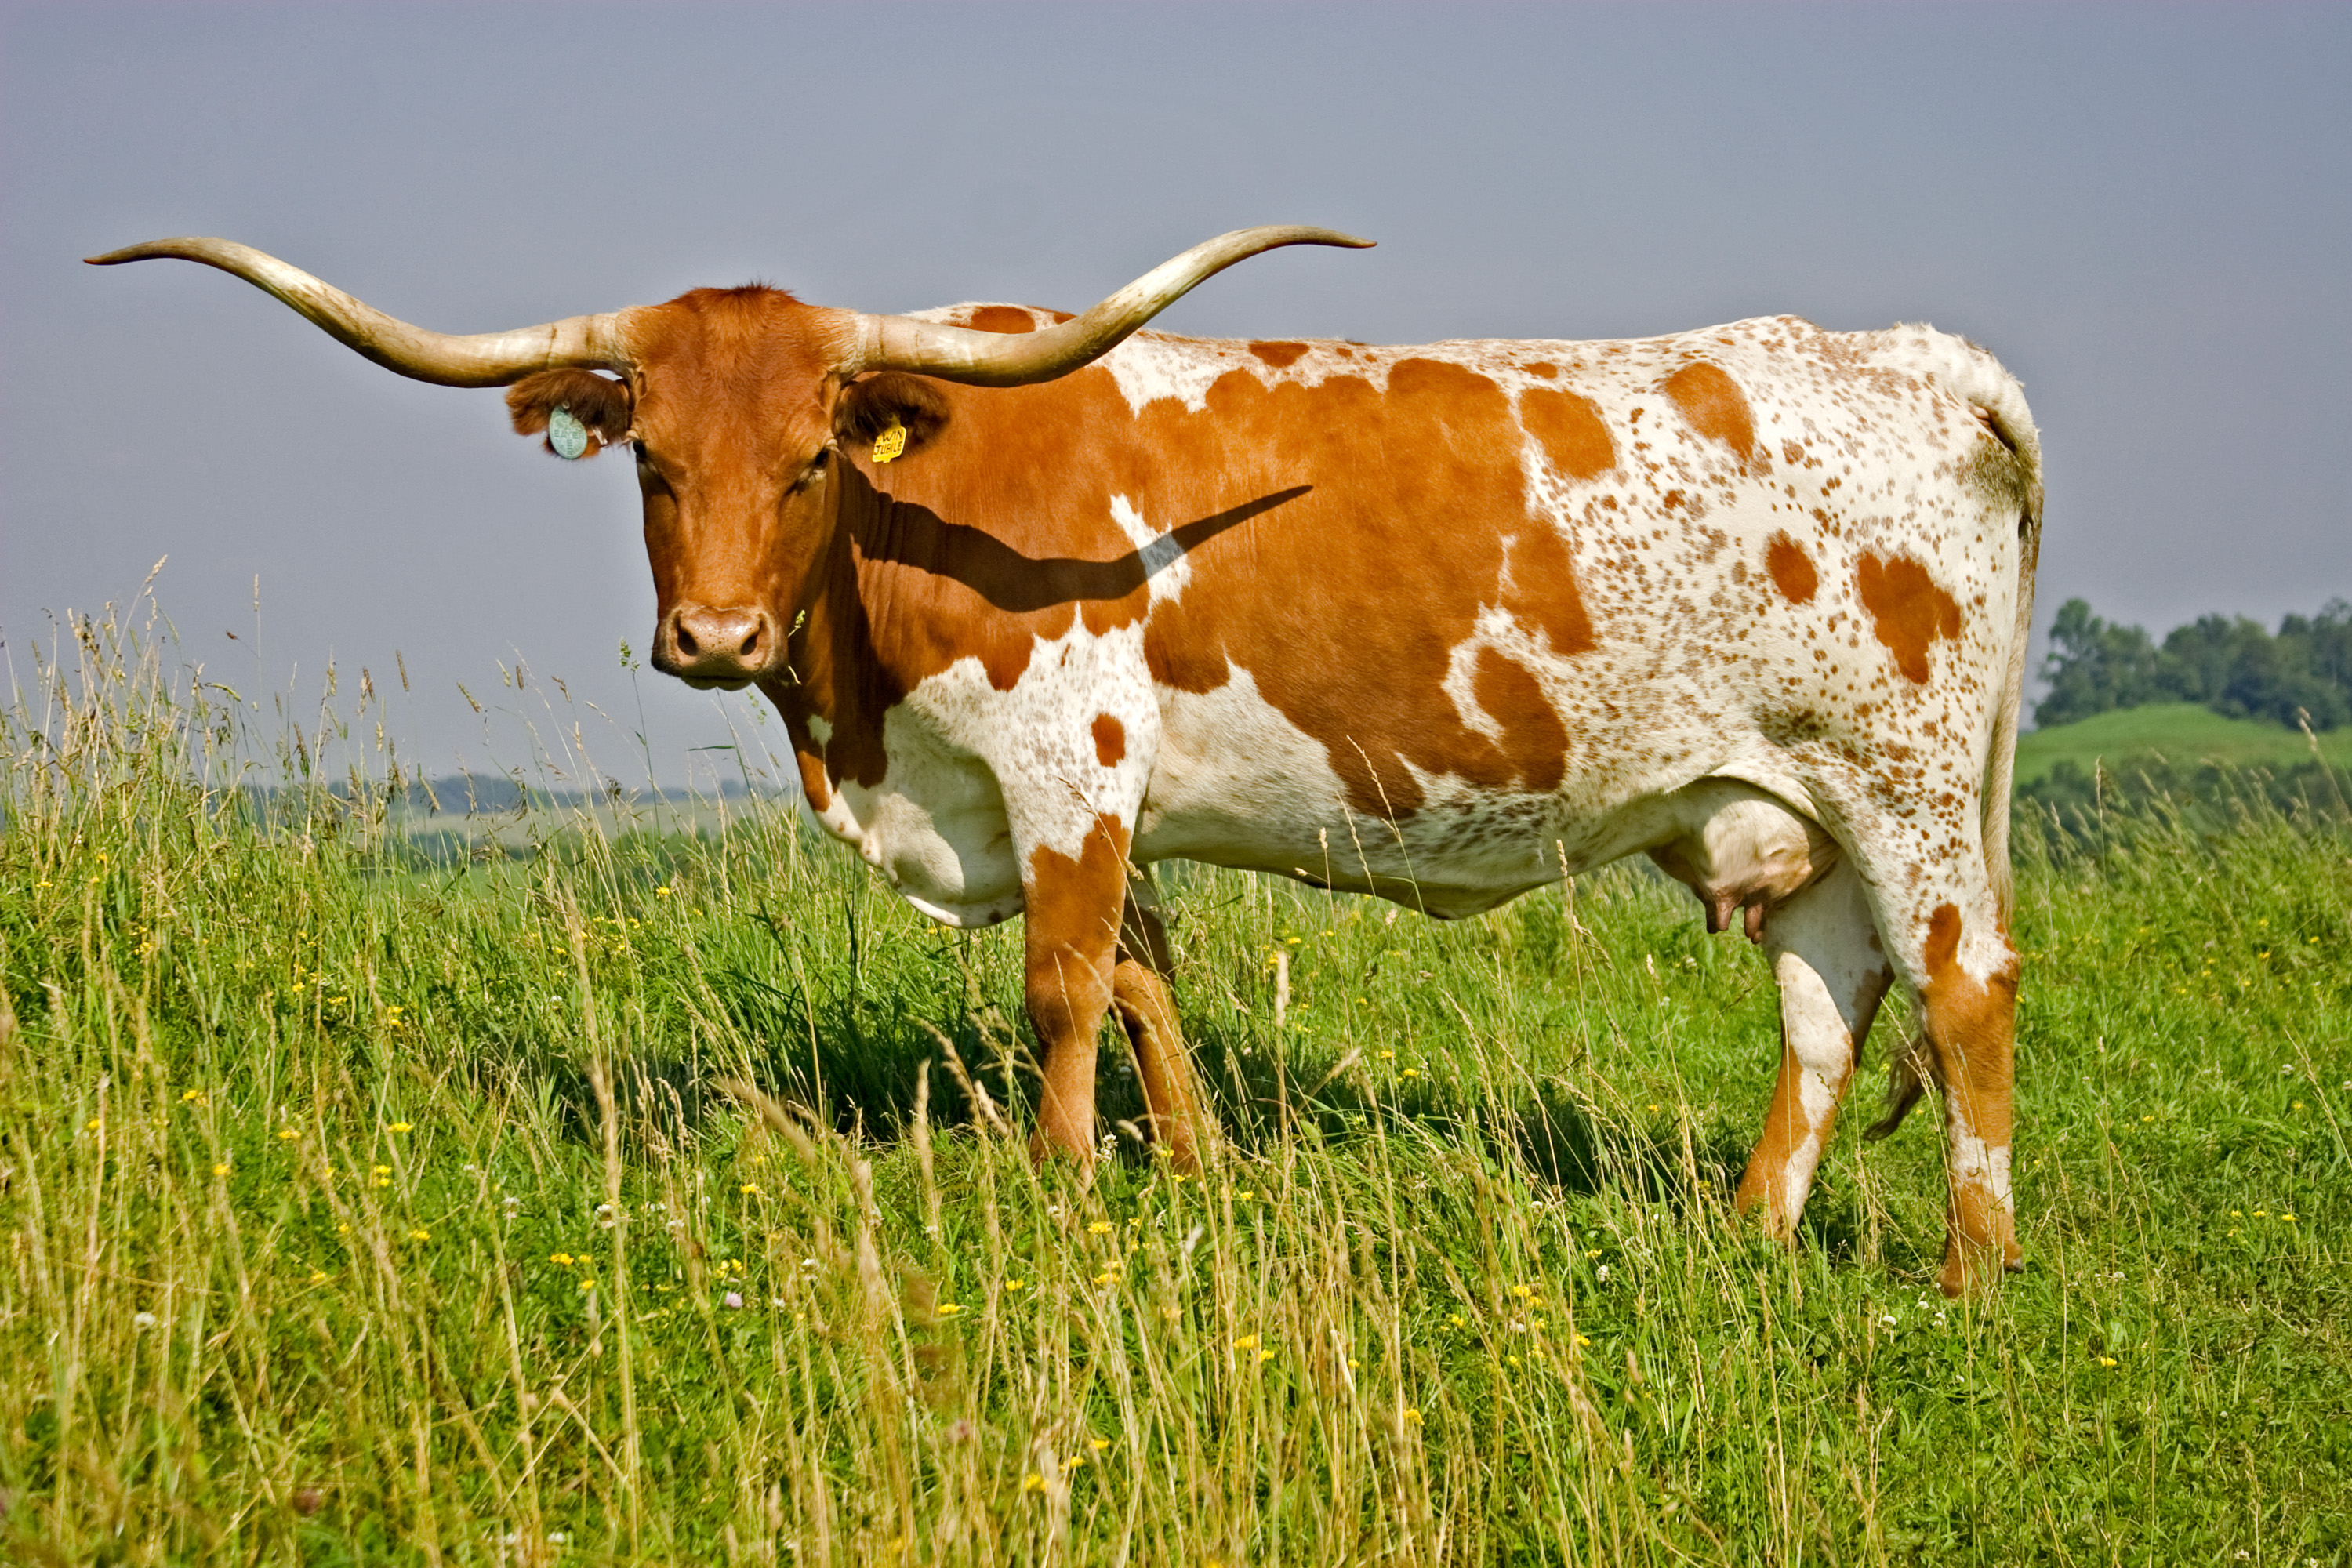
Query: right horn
{"points": [[998, 359], [486, 359]]}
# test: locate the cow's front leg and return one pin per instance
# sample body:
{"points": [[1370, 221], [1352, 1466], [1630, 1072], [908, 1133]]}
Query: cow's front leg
{"points": [[1073, 917], [1139, 993]]}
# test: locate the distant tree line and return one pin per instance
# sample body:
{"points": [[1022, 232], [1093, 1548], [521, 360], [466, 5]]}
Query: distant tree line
{"points": [[2231, 664]]}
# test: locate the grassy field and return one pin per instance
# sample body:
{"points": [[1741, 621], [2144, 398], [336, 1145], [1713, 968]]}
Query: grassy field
{"points": [[357, 1211], [2179, 733]]}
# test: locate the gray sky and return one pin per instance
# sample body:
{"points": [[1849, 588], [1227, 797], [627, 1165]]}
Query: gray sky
{"points": [[2145, 212]]}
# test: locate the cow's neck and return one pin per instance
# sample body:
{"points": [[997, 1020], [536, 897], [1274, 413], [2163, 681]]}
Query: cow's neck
{"points": [[830, 697]]}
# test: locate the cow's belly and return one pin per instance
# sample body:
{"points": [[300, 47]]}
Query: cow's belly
{"points": [[1236, 783]]}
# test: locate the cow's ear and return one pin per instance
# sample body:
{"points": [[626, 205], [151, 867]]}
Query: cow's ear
{"points": [[594, 411], [870, 406]]}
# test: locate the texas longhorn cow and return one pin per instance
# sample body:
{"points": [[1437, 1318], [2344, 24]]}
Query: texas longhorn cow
{"points": [[1043, 600]]}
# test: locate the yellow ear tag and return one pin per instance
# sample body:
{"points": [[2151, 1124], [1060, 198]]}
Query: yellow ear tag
{"points": [[891, 443]]}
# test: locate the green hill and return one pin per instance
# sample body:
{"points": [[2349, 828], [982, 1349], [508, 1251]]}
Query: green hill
{"points": [[2182, 733]]}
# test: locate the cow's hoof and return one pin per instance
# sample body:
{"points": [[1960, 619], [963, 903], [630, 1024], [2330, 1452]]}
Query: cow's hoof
{"points": [[1977, 1268]]}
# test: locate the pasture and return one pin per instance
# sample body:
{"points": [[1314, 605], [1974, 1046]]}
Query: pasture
{"points": [[2174, 732], [659, 1194]]}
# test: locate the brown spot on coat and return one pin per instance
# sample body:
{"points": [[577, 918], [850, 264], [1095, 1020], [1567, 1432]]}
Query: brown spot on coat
{"points": [[1792, 568], [1570, 430], [1110, 740], [1540, 591], [1712, 404], [1277, 355], [1007, 319], [1354, 648], [1534, 739], [1908, 611]]}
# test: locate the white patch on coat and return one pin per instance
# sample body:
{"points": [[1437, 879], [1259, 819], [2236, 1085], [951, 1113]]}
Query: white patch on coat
{"points": [[1165, 569], [1973, 1160], [1149, 367], [979, 779], [1236, 783]]}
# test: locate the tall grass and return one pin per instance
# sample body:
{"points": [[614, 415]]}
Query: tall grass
{"points": [[661, 1195]]}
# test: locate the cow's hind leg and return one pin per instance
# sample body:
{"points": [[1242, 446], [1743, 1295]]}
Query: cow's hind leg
{"points": [[1943, 925], [1968, 994], [1141, 997], [1826, 955], [1071, 937]]}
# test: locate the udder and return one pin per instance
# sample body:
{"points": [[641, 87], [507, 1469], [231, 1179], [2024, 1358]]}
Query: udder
{"points": [[1739, 848]]}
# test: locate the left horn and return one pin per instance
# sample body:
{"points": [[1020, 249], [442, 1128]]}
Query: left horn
{"points": [[485, 359], [996, 359]]}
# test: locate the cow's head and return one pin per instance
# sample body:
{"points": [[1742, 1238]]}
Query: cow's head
{"points": [[734, 403]]}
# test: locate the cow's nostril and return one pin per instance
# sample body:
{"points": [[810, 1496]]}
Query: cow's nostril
{"points": [[687, 647]]}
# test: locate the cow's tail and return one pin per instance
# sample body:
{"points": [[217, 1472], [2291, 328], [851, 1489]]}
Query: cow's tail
{"points": [[2013, 484], [2004, 412]]}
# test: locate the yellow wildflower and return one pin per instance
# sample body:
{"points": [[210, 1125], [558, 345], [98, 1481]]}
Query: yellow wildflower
{"points": [[1099, 1227], [1246, 1342]]}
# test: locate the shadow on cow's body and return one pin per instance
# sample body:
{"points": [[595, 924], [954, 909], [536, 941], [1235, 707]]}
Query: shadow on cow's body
{"points": [[917, 538]]}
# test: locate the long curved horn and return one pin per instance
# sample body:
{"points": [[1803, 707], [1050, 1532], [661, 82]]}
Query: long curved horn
{"points": [[486, 359], [998, 359]]}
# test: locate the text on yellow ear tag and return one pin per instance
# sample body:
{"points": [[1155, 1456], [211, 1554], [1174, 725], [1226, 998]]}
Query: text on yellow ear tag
{"points": [[891, 443]]}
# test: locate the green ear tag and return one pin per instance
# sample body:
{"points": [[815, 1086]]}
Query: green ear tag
{"points": [[566, 433]]}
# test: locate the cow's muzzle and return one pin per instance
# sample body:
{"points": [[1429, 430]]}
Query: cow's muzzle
{"points": [[705, 647]]}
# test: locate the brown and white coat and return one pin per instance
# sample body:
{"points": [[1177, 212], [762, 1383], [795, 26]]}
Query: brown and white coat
{"points": [[1440, 624]]}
